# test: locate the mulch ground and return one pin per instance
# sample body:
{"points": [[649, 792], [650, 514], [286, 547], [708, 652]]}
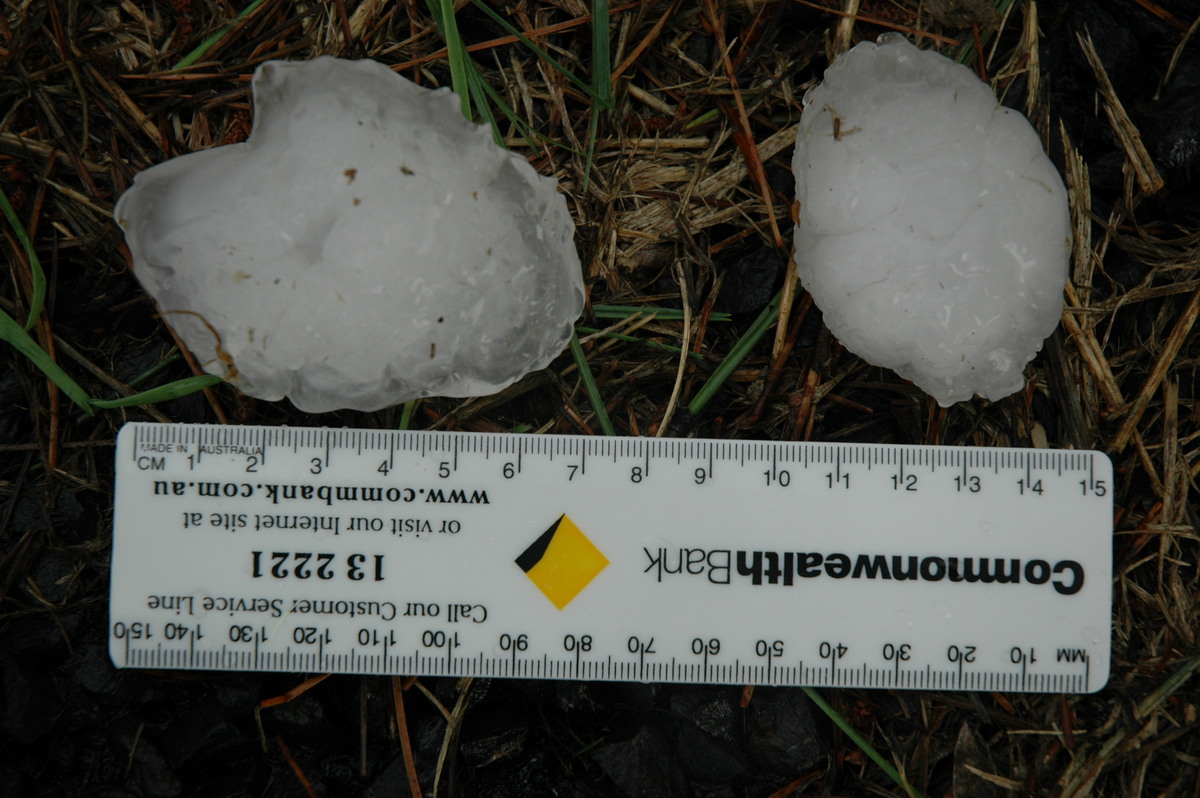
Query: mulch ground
{"points": [[687, 203]]}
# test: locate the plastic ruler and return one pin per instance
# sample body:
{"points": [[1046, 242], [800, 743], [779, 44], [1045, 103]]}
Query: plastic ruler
{"points": [[572, 557]]}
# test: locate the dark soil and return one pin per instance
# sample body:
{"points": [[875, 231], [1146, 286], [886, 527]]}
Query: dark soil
{"points": [[87, 100]]}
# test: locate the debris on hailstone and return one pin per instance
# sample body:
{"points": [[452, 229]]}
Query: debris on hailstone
{"points": [[366, 246], [934, 232]]}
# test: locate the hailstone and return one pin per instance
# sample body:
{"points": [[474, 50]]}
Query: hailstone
{"points": [[365, 246], [934, 232]]}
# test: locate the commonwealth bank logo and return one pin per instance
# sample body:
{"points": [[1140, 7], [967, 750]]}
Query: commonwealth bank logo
{"points": [[562, 562]]}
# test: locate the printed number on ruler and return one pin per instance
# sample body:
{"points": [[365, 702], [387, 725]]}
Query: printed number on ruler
{"points": [[359, 551]]}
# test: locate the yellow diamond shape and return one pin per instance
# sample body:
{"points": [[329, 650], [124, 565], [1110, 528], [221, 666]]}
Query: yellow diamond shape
{"points": [[562, 562]]}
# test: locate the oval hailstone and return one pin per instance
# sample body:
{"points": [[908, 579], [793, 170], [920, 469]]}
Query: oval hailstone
{"points": [[367, 245], [934, 232]]}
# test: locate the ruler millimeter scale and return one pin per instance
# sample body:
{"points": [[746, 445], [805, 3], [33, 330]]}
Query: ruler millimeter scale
{"points": [[502, 555]]}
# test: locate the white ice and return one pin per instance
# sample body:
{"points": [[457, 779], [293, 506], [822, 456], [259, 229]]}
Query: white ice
{"points": [[934, 232], [366, 246]]}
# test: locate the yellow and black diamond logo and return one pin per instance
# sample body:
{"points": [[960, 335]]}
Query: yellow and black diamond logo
{"points": [[562, 562]]}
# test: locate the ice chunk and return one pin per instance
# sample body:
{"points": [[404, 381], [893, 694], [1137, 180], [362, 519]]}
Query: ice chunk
{"points": [[934, 232], [366, 246]]}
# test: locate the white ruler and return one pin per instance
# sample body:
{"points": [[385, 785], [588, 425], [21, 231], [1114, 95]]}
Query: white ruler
{"points": [[571, 557]]}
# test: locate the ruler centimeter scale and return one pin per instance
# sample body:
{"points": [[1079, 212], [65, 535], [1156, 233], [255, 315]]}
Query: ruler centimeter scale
{"points": [[574, 557]]}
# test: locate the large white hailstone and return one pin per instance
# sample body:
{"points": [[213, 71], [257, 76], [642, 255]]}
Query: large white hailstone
{"points": [[934, 232], [366, 246]]}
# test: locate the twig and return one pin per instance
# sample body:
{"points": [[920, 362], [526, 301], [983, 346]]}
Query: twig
{"points": [[410, 765], [295, 766]]}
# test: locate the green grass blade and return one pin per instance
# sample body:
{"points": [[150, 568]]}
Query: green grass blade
{"points": [[526, 131], [735, 357], [157, 367], [15, 334], [483, 93], [861, 742], [601, 57], [479, 94], [601, 82], [707, 116], [589, 385], [35, 266], [456, 52], [163, 393], [545, 56], [660, 314], [207, 44], [407, 413]]}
